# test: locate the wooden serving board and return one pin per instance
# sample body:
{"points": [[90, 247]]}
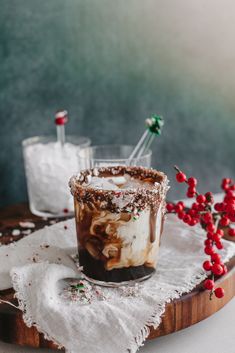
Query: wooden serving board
{"points": [[180, 313]]}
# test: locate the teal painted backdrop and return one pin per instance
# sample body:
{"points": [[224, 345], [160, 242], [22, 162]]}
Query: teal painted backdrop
{"points": [[111, 64]]}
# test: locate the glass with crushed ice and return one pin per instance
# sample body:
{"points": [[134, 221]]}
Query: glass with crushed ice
{"points": [[119, 214], [48, 167]]}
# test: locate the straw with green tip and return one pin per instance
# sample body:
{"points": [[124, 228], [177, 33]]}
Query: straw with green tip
{"points": [[154, 127]]}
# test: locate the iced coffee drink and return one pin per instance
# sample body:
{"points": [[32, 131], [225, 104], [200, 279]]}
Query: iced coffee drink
{"points": [[119, 214]]}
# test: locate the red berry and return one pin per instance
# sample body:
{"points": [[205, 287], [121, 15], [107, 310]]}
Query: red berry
{"points": [[181, 214], [201, 198], [207, 217], [181, 177], [193, 222], [224, 221], [207, 265], [218, 206], [231, 216], [230, 193], [228, 199], [192, 213], [209, 235], [223, 205], [196, 218], [192, 190], [201, 207], [231, 232], [190, 194], [219, 292], [187, 218], [220, 232], [216, 237], [65, 210], [195, 206], [219, 245], [217, 269], [216, 258], [209, 250], [170, 207], [192, 181], [230, 207], [209, 284], [179, 207], [208, 242], [210, 227], [65, 227], [226, 181], [225, 187], [209, 197]]}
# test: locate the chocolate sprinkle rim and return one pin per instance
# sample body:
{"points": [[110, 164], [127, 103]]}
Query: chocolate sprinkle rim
{"points": [[137, 199]]}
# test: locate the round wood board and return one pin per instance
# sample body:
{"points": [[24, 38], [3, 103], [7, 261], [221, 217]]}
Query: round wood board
{"points": [[179, 314]]}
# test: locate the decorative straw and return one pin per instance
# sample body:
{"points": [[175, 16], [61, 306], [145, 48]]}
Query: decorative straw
{"points": [[61, 118], [154, 127]]}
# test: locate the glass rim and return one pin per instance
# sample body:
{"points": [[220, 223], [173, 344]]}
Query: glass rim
{"points": [[147, 154], [39, 138]]}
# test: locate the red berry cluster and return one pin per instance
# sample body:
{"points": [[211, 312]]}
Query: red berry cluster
{"points": [[227, 206], [212, 218]]}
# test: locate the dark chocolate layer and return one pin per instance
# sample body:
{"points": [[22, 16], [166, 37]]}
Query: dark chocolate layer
{"points": [[95, 269]]}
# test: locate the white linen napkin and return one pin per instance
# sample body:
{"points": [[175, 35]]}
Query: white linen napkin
{"points": [[118, 320]]}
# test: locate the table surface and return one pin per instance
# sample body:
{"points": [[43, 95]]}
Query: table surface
{"points": [[215, 334]]}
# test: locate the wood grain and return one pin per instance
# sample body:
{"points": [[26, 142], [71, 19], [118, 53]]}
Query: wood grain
{"points": [[179, 314]]}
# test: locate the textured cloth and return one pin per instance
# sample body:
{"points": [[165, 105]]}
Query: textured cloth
{"points": [[118, 323]]}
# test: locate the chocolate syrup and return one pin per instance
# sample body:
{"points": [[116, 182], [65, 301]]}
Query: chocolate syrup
{"points": [[152, 225], [93, 268]]}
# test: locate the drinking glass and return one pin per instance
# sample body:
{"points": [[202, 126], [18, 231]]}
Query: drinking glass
{"points": [[106, 155], [119, 215], [48, 167]]}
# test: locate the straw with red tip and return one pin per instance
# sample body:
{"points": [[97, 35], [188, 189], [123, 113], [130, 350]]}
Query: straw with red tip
{"points": [[61, 118]]}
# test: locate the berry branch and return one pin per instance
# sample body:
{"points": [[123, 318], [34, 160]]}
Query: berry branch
{"points": [[213, 218]]}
